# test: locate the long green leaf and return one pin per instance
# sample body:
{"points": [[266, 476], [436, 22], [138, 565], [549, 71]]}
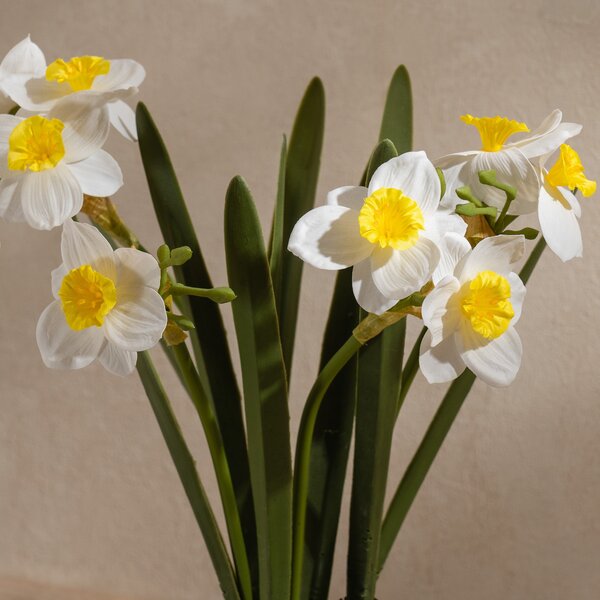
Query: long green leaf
{"points": [[397, 115], [213, 357], [265, 389], [301, 174], [186, 468], [277, 247], [330, 447]]}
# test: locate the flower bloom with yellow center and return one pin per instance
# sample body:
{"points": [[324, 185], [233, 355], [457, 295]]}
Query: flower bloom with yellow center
{"points": [[559, 210], [472, 311], [106, 305], [513, 161], [103, 82], [48, 162], [388, 232]]}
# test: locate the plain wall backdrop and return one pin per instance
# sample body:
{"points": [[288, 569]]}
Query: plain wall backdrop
{"points": [[89, 499]]}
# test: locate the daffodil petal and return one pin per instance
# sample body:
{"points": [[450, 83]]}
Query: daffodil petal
{"points": [[136, 269], [62, 347], [413, 174], [496, 254], [442, 222], [116, 360], [399, 273], [452, 166], [50, 197], [350, 196], [440, 314], [122, 118], [517, 296], [83, 244], [496, 361], [36, 95], [453, 247], [11, 207], [440, 363], [328, 237], [124, 73], [365, 291], [560, 227], [137, 323], [98, 175], [57, 277], [23, 61], [7, 124]]}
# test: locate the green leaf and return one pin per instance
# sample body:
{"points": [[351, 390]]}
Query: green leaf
{"points": [[211, 350], [278, 248], [384, 151], [379, 368], [330, 447], [186, 468], [301, 174], [397, 115], [265, 389]]}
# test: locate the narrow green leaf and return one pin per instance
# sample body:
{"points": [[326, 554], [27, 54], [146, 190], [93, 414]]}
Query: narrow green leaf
{"points": [[277, 247], [265, 389], [330, 447], [301, 174], [397, 115], [211, 350], [186, 468], [379, 368], [384, 151]]}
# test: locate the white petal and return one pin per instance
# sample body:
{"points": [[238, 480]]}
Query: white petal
{"points": [[6, 102], [57, 276], [560, 227], [7, 125], [442, 222], [496, 362], [399, 273], [86, 124], [549, 124], [136, 269], [453, 247], [413, 174], [50, 197], [23, 61], [328, 237], [452, 166], [511, 168], [441, 363], [517, 296], [365, 291], [122, 118], [350, 196], [98, 175], [83, 244], [60, 346], [11, 205], [440, 314], [496, 254], [38, 94], [137, 322], [123, 74], [116, 360]]}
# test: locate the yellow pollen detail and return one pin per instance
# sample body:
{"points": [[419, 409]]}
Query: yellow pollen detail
{"points": [[36, 144], [389, 218], [486, 303], [79, 72], [494, 131], [568, 172], [87, 297]]}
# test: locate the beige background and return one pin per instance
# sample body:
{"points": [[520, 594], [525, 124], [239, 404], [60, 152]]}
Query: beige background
{"points": [[89, 500]]}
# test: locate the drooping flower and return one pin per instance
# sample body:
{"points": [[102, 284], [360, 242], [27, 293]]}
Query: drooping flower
{"points": [[48, 163], [558, 208], [472, 311], [388, 232], [512, 161], [106, 304], [102, 81]]}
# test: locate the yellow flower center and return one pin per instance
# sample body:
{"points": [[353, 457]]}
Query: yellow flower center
{"points": [[486, 304], [568, 172], [494, 131], [87, 297], [389, 218], [36, 144], [79, 72]]}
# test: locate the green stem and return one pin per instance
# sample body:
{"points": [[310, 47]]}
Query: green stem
{"points": [[223, 474], [302, 458]]}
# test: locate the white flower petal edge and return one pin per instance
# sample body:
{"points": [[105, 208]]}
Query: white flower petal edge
{"points": [[440, 363], [441, 316], [365, 291], [453, 248], [496, 253], [350, 196], [98, 175], [122, 118], [83, 244], [116, 360]]}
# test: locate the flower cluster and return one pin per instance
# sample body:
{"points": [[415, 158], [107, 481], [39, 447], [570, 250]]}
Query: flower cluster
{"points": [[406, 233]]}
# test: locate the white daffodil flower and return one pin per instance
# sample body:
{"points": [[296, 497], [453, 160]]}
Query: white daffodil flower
{"points": [[102, 81], [472, 311], [106, 304], [388, 232], [22, 63], [511, 161], [48, 163], [558, 208]]}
